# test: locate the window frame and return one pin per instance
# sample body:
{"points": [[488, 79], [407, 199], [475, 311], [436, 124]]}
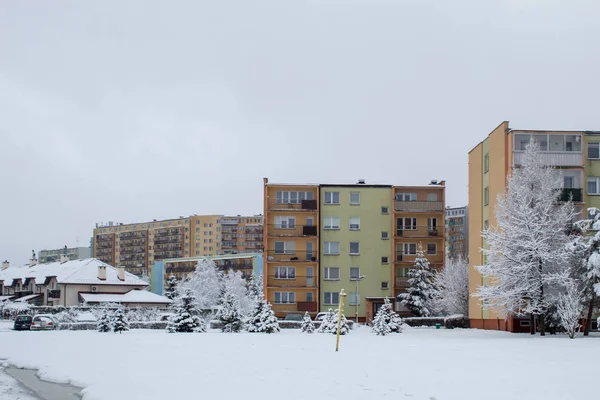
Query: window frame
{"points": [[406, 197], [357, 253], [330, 302], [386, 261], [385, 210], [288, 296], [327, 273], [327, 249], [331, 226], [486, 196], [329, 197], [277, 274], [355, 269], [385, 235], [597, 145], [408, 245], [596, 181], [427, 249], [354, 296], [354, 203], [486, 163], [356, 225], [285, 250], [287, 220]]}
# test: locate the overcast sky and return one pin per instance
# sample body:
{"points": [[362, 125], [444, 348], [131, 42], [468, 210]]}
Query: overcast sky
{"points": [[134, 110]]}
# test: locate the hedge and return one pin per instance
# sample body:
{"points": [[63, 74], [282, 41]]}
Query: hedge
{"points": [[451, 322]]}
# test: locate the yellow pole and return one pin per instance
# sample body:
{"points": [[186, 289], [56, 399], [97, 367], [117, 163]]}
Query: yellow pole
{"points": [[337, 340]]}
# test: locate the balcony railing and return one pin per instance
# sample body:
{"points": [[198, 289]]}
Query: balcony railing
{"points": [[296, 256], [234, 266], [300, 205], [419, 206], [166, 240], [296, 282], [310, 306], [294, 231], [554, 158], [570, 194], [419, 231], [401, 282]]}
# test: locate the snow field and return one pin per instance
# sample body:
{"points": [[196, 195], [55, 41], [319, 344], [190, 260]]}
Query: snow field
{"points": [[418, 364]]}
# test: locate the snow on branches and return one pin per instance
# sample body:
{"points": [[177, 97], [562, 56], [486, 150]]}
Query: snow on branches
{"points": [[386, 321], [451, 288], [419, 294]]}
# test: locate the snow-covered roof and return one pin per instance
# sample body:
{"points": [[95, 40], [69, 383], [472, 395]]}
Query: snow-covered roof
{"points": [[4, 298], [71, 272], [133, 296], [25, 299]]}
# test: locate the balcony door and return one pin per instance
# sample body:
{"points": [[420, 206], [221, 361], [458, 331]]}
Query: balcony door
{"points": [[309, 297], [310, 277]]}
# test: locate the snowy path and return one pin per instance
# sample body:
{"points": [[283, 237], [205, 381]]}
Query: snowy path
{"points": [[10, 389], [420, 364]]}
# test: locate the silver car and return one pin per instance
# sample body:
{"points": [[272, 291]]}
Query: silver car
{"points": [[44, 322]]}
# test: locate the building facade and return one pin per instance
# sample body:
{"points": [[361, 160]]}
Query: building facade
{"points": [[322, 238], [490, 162], [457, 232], [137, 246], [73, 253]]}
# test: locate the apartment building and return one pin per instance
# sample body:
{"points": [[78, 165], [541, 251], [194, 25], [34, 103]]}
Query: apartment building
{"points": [[363, 238], [137, 246], [418, 215], [489, 164], [72, 253], [457, 232]]}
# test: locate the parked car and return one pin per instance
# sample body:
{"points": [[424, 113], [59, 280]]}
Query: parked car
{"points": [[294, 317], [23, 323], [44, 322], [320, 316]]}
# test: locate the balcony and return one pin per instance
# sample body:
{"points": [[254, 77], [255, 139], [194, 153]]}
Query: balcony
{"points": [[295, 282], [235, 267], [555, 158], [419, 206], [54, 294], [301, 205], [418, 231], [294, 231], [565, 195], [310, 306], [296, 256], [401, 282]]}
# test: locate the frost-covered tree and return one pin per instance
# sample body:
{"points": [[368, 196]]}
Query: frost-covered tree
{"points": [[327, 323], [262, 318], [186, 317], [104, 324], [171, 289], [527, 250], [386, 320], [69, 315], [234, 283], [343, 324], [205, 283], [307, 324], [419, 294], [569, 308], [451, 288], [229, 313], [119, 321]]}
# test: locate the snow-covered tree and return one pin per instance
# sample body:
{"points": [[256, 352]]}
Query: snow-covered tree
{"points": [[343, 324], [229, 313], [171, 289], [234, 283], [69, 315], [205, 283], [104, 324], [386, 320], [119, 321], [327, 323], [451, 288], [186, 317], [418, 296], [527, 250], [307, 324], [262, 318], [569, 308]]}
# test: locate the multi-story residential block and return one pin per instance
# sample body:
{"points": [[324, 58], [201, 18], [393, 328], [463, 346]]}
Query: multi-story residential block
{"points": [[592, 169], [418, 215], [490, 162], [457, 232], [73, 253], [363, 238], [137, 246]]}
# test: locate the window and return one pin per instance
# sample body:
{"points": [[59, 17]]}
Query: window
{"points": [[285, 222], [524, 322], [354, 248], [406, 196], [486, 196], [409, 249], [332, 274], [402, 272], [385, 210], [593, 185], [486, 163], [354, 299], [573, 143], [354, 223], [431, 249], [332, 197], [286, 197], [354, 198], [331, 223], [285, 272], [407, 223], [385, 236], [331, 298], [385, 285], [432, 224], [384, 260], [285, 247], [486, 224], [285, 297], [568, 182], [310, 221], [432, 197], [331, 248], [354, 273], [594, 150]]}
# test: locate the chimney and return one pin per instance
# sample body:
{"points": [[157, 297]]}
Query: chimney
{"points": [[265, 181], [64, 258], [361, 181], [102, 272], [121, 273], [5, 264], [443, 183]]}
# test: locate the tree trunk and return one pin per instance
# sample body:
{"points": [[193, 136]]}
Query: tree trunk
{"points": [[532, 324], [588, 321], [542, 319]]}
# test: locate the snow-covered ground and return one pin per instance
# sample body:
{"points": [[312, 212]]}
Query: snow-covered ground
{"points": [[10, 389], [418, 364]]}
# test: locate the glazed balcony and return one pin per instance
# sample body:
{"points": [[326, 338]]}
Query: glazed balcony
{"points": [[299, 205], [296, 256], [294, 231], [293, 282], [554, 158], [574, 195], [419, 206], [418, 231]]}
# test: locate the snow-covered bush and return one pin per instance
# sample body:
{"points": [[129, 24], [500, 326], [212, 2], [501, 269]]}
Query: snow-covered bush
{"points": [[262, 318], [12, 309], [143, 314], [386, 320], [344, 328], [119, 321], [450, 289], [307, 324], [229, 313], [206, 284], [569, 308], [71, 314], [234, 283], [104, 323], [327, 323], [186, 317], [418, 297]]}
